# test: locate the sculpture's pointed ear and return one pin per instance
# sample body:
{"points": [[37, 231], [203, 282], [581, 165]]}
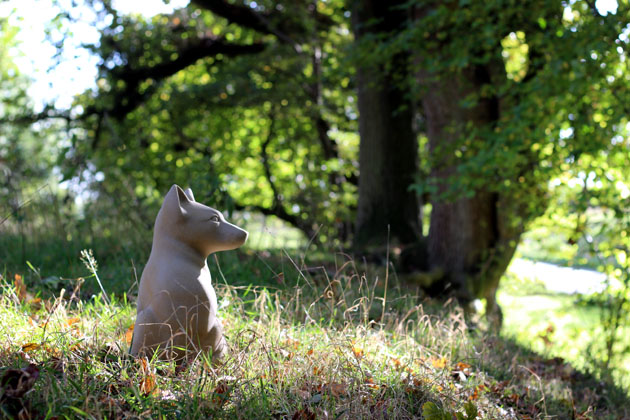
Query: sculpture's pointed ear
{"points": [[190, 195], [175, 202]]}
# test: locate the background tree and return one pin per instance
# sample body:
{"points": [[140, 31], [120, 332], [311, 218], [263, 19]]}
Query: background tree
{"points": [[254, 103], [388, 151], [26, 154], [232, 99], [493, 103]]}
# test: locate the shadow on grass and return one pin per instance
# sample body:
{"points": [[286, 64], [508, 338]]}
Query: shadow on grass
{"points": [[310, 339]]}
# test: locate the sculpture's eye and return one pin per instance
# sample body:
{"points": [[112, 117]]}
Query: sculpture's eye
{"points": [[214, 218]]}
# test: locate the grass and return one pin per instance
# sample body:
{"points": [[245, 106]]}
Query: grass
{"points": [[305, 342], [561, 325]]}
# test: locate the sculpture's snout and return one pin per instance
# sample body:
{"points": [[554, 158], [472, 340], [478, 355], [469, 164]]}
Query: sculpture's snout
{"points": [[231, 237]]}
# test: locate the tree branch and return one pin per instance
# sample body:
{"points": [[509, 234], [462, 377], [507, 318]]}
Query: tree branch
{"points": [[593, 7], [241, 15], [264, 22], [130, 97], [277, 209], [48, 113]]}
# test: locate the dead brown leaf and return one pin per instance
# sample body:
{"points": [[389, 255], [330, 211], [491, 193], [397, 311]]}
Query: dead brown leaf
{"points": [[72, 321], [221, 393], [17, 382], [438, 362], [129, 334], [334, 389], [14, 385], [304, 414], [148, 383], [35, 303], [29, 347], [370, 383], [20, 287]]}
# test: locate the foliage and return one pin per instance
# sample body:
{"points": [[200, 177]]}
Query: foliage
{"points": [[560, 91], [264, 131], [594, 196], [430, 411], [262, 119], [26, 155], [562, 326]]}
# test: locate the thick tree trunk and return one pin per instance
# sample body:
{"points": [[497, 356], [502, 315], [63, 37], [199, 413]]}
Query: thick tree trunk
{"points": [[472, 238], [388, 151]]}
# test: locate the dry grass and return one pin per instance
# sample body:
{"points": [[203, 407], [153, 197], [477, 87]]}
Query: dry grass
{"points": [[332, 348]]}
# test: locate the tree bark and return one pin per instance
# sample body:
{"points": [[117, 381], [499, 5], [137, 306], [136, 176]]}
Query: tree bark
{"points": [[472, 238], [388, 150]]}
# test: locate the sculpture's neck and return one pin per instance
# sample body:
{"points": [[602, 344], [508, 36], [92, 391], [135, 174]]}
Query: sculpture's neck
{"points": [[167, 244]]}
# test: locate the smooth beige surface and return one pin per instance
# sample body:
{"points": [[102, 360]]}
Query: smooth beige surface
{"points": [[177, 306]]}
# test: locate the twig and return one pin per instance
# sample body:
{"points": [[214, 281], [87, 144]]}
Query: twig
{"points": [[24, 203], [542, 391], [386, 276]]}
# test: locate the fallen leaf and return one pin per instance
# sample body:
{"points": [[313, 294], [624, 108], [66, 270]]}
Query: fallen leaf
{"points": [[28, 347], [14, 385], [71, 321], [35, 303], [460, 370], [438, 362], [336, 389], [148, 384], [129, 334], [461, 366], [304, 414], [221, 393], [17, 382], [475, 395], [20, 287], [370, 383]]}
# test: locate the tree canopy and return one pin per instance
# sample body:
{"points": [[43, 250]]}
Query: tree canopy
{"points": [[348, 120]]}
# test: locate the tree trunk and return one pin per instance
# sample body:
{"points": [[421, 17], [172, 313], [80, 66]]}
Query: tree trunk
{"points": [[388, 151], [472, 238]]}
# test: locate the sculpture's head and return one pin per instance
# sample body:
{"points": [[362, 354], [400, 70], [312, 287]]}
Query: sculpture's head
{"points": [[195, 224]]}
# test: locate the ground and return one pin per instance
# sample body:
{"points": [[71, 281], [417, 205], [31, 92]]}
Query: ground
{"points": [[307, 344]]}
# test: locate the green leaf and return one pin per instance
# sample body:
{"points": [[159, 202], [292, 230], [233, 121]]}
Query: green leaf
{"points": [[430, 411], [471, 410], [78, 411]]}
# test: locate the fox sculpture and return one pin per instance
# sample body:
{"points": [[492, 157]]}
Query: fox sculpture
{"points": [[177, 305]]}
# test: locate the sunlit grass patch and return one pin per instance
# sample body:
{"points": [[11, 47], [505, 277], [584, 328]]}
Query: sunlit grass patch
{"points": [[335, 347], [560, 325]]}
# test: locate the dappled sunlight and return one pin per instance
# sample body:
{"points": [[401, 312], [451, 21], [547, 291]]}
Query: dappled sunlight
{"points": [[436, 195]]}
